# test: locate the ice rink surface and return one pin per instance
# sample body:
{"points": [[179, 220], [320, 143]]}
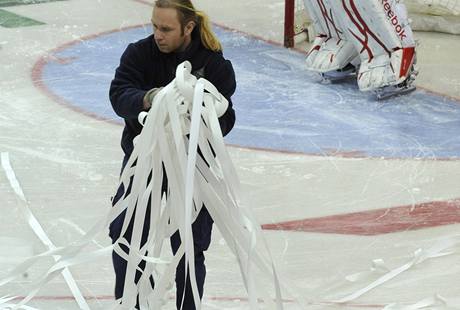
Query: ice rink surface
{"points": [[350, 190]]}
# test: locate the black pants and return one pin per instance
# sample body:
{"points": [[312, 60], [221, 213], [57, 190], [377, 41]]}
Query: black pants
{"points": [[201, 229]]}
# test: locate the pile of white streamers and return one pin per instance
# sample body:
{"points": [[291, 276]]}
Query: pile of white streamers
{"points": [[183, 119]]}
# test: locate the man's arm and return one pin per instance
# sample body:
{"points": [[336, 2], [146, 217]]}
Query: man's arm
{"points": [[126, 93], [221, 74]]}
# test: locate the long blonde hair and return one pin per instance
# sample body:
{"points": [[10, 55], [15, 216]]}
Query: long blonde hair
{"points": [[187, 13]]}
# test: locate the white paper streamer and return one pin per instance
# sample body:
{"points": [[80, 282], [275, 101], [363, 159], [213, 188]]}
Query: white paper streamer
{"points": [[183, 118], [5, 305], [38, 230], [445, 247], [427, 303]]}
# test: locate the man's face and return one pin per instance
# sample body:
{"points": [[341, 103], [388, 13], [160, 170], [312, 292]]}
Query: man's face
{"points": [[168, 30]]}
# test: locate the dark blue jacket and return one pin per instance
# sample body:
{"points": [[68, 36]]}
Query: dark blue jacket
{"points": [[143, 66]]}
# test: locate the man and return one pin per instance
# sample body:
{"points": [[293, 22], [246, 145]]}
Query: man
{"points": [[180, 33]]}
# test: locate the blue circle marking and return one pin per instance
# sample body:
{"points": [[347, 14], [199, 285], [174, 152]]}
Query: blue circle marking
{"points": [[279, 104]]}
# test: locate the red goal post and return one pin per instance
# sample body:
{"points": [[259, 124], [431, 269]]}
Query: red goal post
{"points": [[295, 21], [289, 13]]}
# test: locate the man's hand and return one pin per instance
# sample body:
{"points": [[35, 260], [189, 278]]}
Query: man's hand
{"points": [[149, 96]]}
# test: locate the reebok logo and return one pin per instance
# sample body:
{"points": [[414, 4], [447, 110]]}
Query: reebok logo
{"points": [[393, 18]]}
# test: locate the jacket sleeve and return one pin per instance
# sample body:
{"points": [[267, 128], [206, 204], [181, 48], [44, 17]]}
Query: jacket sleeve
{"points": [[222, 75], [126, 93]]}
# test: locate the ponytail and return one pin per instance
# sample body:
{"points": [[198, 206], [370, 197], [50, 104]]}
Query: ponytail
{"points": [[208, 38], [188, 13]]}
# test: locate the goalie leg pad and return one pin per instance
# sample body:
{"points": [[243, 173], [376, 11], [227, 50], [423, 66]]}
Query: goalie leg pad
{"points": [[331, 50], [380, 31]]}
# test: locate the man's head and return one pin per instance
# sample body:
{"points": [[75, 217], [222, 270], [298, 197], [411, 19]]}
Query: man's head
{"points": [[173, 22]]}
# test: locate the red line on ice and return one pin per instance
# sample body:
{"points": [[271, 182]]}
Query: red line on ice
{"points": [[380, 221]]}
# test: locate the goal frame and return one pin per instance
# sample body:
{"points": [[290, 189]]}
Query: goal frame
{"points": [[289, 15]]}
